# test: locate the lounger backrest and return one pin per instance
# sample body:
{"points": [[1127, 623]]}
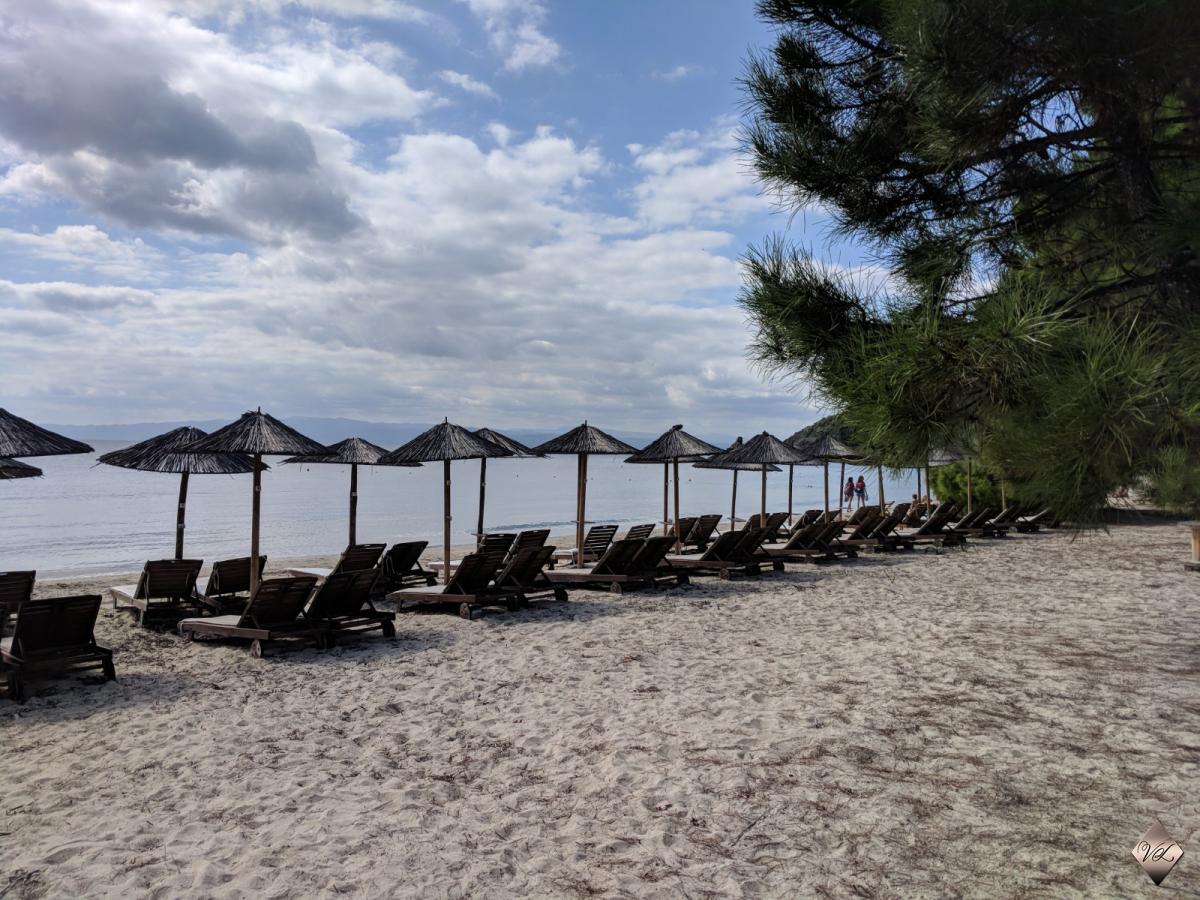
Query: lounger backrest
{"points": [[639, 532], [475, 573], [705, 526], [278, 601], [858, 515], [168, 579], [598, 538], [810, 516], [722, 549], [828, 532], [359, 557], [802, 537], [686, 524], [618, 558], [886, 525], [343, 594], [231, 576], [15, 589], [522, 567], [529, 540], [937, 519], [900, 509], [51, 625], [401, 559], [651, 554], [865, 526], [751, 543], [499, 542]]}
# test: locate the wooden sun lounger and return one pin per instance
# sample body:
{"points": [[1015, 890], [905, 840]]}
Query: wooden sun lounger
{"points": [[525, 573], [53, 636], [166, 588], [470, 587], [401, 567], [702, 533], [639, 532], [932, 532], [274, 614], [612, 572], [353, 559], [1030, 524], [342, 604], [595, 544], [650, 563], [16, 588], [721, 558], [227, 586]]}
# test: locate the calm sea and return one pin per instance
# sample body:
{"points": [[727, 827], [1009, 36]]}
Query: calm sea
{"points": [[87, 519]]}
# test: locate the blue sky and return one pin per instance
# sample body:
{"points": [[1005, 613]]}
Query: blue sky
{"points": [[508, 212]]}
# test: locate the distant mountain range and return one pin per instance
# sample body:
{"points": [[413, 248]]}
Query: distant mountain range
{"points": [[327, 431]]}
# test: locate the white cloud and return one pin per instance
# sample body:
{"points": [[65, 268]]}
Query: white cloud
{"points": [[678, 73], [467, 83], [694, 178], [86, 247], [514, 29]]}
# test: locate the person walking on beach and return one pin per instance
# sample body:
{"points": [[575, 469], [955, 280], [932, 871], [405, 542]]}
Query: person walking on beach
{"points": [[848, 494], [860, 491]]}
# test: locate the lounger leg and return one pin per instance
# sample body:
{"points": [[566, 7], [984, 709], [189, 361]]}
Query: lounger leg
{"points": [[16, 687], [389, 629], [560, 594], [466, 611], [110, 671]]}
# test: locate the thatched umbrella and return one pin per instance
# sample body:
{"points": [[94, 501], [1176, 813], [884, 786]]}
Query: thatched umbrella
{"points": [[165, 453], [518, 451], [257, 434], [671, 447], [20, 437], [14, 468], [764, 450], [352, 452], [824, 441], [445, 442], [717, 463], [583, 441]]}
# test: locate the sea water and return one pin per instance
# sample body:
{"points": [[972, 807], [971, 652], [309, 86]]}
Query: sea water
{"points": [[86, 519]]}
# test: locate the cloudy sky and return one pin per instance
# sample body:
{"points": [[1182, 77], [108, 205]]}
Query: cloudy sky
{"points": [[509, 212]]}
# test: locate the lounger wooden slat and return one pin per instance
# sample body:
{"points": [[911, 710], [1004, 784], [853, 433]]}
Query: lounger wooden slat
{"points": [[274, 614], [469, 588], [228, 584], [166, 589], [343, 604], [16, 588], [595, 544], [401, 567]]}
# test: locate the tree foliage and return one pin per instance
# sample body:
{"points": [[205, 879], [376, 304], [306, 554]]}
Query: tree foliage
{"points": [[1028, 174]]}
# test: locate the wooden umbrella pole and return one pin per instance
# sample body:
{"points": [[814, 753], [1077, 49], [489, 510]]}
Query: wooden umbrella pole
{"points": [[791, 475], [842, 488], [581, 510], [678, 533], [918, 486], [181, 515], [928, 484], [826, 465], [482, 496], [446, 521], [881, 488], [969, 497], [255, 509], [353, 504], [666, 493], [762, 519], [1003, 496], [733, 504]]}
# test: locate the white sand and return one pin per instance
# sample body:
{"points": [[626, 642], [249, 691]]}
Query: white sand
{"points": [[1001, 721]]}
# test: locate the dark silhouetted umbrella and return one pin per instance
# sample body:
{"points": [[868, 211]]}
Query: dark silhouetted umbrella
{"points": [[352, 452], [764, 450], [583, 442], [14, 468], [20, 437], [258, 435], [514, 447], [165, 454], [445, 442], [669, 449], [716, 463]]}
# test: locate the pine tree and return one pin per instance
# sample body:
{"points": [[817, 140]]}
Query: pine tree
{"points": [[1028, 173]]}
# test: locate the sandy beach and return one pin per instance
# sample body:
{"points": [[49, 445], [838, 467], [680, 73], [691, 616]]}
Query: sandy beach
{"points": [[1002, 721]]}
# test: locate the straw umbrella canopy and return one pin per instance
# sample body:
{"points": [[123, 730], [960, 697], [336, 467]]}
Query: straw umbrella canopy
{"points": [[352, 452], [513, 446], [20, 437], [583, 441], [445, 442], [670, 447], [165, 453], [717, 462], [258, 435], [764, 450], [14, 468]]}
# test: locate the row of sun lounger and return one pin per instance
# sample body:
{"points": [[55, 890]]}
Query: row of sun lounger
{"points": [[317, 606]]}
